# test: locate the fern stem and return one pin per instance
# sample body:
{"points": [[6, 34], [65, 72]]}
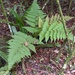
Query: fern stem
{"points": [[51, 3], [1, 1], [45, 5], [65, 29], [64, 24], [46, 45], [69, 7]]}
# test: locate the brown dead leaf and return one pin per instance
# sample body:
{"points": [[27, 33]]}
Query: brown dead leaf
{"points": [[26, 43]]}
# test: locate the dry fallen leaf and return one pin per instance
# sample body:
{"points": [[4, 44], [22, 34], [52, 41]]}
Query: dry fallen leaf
{"points": [[26, 43]]}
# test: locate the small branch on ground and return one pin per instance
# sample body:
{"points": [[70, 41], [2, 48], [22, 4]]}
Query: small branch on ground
{"points": [[4, 12], [45, 5], [64, 24], [23, 66]]}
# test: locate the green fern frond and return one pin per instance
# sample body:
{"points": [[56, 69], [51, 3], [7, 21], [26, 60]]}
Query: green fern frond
{"points": [[20, 47], [53, 30], [33, 13]]}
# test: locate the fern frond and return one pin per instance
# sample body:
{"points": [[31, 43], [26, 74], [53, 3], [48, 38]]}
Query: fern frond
{"points": [[33, 13], [54, 30], [20, 47]]}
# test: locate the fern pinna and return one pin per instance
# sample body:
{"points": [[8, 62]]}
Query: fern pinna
{"points": [[19, 47]]}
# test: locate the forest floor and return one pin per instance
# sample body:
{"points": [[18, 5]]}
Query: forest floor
{"points": [[46, 61]]}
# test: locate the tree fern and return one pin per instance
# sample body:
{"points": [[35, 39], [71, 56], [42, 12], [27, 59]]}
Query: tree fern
{"points": [[19, 47]]}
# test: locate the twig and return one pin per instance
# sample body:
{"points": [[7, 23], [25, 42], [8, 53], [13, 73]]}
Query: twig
{"points": [[23, 66], [46, 45], [45, 4], [55, 63], [65, 29], [41, 71], [70, 56], [69, 7], [5, 16]]}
